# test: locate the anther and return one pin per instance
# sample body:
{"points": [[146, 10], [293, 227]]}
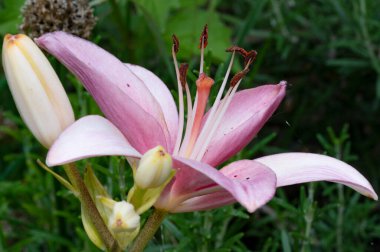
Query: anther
{"points": [[182, 74], [175, 43], [204, 38], [237, 77], [250, 58], [238, 49]]}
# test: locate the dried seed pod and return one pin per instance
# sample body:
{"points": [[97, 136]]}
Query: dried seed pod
{"points": [[43, 16]]}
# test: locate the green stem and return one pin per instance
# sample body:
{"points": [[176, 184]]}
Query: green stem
{"points": [[340, 219], [146, 234], [309, 217], [89, 206]]}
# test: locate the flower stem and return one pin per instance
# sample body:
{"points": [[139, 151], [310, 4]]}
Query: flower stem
{"points": [[89, 206], [146, 234]]}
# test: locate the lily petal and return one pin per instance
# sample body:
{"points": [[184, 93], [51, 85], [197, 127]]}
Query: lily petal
{"points": [[258, 180], [90, 136], [246, 115], [162, 95], [195, 179], [295, 168], [121, 95]]}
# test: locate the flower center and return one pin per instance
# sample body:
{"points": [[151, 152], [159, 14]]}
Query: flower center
{"points": [[200, 128]]}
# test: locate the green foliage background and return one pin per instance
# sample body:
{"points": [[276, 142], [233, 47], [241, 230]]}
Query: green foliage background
{"points": [[329, 53]]}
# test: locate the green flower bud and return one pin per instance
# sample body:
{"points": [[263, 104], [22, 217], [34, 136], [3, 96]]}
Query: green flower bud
{"points": [[154, 168]]}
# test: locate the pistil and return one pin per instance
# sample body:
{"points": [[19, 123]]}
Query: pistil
{"points": [[204, 84]]}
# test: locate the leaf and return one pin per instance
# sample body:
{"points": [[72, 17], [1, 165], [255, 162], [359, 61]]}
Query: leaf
{"points": [[59, 178], [192, 3], [90, 229], [10, 17], [158, 10], [188, 25]]}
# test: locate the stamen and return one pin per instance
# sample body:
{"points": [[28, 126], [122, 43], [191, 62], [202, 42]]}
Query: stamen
{"points": [[190, 119], [234, 84], [189, 128], [213, 109], [202, 45], [223, 108], [175, 49], [204, 84]]}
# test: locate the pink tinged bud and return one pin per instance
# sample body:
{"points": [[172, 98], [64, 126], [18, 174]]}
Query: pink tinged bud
{"points": [[154, 168], [38, 93]]}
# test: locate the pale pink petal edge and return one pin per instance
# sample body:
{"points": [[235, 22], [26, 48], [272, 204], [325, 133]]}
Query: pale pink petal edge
{"points": [[90, 136]]}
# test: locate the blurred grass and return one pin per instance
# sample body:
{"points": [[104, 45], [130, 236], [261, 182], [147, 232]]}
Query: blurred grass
{"points": [[329, 53]]}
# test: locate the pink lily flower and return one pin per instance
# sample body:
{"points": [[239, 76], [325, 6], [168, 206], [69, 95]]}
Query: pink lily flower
{"points": [[142, 114]]}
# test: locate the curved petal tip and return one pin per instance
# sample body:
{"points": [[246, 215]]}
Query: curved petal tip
{"points": [[295, 168]]}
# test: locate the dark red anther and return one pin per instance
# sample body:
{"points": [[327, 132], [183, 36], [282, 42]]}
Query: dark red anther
{"points": [[204, 37], [237, 49], [175, 43], [250, 58], [182, 73], [237, 77]]}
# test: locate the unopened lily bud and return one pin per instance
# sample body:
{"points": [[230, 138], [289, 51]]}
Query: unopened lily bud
{"points": [[154, 169], [123, 218], [40, 98]]}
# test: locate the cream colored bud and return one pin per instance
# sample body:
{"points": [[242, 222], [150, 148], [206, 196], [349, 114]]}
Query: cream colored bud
{"points": [[123, 218], [154, 168], [38, 93]]}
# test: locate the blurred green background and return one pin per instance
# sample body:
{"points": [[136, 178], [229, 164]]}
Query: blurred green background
{"points": [[328, 51]]}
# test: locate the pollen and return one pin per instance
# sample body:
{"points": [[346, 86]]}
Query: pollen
{"points": [[182, 73], [237, 77], [175, 43], [238, 49]]}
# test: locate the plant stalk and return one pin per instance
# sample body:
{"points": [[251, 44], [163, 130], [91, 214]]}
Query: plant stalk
{"points": [[89, 206], [150, 228]]}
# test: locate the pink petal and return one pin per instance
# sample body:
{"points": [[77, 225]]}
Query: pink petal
{"points": [[90, 136], [295, 168], [162, 95], [194, 179], [246, 115], [258, 181], [121, 95]]}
